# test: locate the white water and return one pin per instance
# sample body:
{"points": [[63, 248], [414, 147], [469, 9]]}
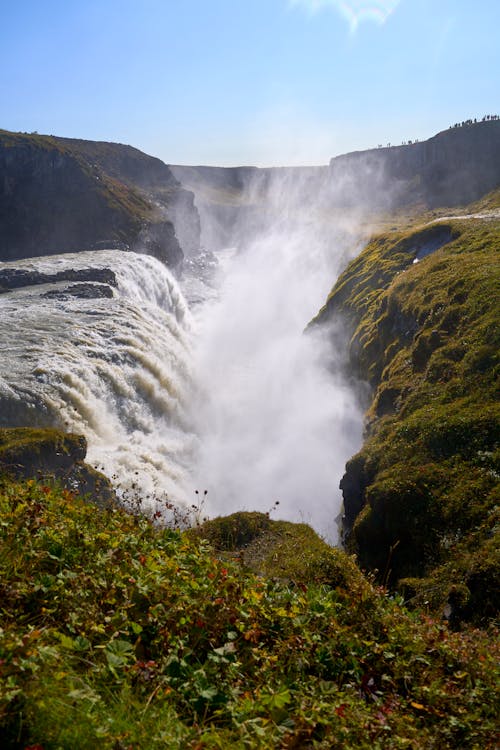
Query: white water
{"points": [[235, 400], [273, 423], [116, 370]]}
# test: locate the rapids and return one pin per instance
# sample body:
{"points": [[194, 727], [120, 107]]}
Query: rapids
{"points": [[116, 370]]}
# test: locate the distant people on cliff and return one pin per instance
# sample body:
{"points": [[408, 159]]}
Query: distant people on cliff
{"points": [[474, 121]]}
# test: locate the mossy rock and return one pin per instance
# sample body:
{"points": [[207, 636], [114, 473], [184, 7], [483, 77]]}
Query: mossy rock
{"points": [[426, 337], [52, 455], [232, 533], [26, 450], [279, 549]]}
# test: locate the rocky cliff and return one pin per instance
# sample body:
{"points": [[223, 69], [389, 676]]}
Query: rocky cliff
{"points": [[419, 307], [49, 455], [65, 195], [454, 167]]}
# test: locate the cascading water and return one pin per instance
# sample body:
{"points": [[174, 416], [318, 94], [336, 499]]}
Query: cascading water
{"points": [[274, 422], [230, 397], [116, 370]]}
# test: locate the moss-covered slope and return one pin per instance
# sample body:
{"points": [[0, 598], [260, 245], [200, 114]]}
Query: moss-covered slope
{"points": [[278, 549], [52, 455], [421, 497]]}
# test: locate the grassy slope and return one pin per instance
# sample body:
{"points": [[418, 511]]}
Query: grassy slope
{"points": [[426, 337], [117, 634], [277, 549]]}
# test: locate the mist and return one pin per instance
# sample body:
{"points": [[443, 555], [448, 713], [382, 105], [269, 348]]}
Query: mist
{"points": [[275, 417]]}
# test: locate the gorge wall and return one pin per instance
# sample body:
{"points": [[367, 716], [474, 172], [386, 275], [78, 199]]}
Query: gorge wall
{"points": [[419, 306], [455, 167], [66, 195]]}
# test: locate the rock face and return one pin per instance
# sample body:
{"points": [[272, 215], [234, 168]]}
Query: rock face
{"points": [[456, 166], [16, 278], [65, 195], [421, 496], [453, 168], [47, 455]]}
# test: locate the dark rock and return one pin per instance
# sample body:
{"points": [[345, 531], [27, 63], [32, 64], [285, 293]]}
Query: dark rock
{"points": [[425, 344], [83, 291], [438, 237], [15, 278], [64, 195], [353, 484], [386, 401], [159, 240]]}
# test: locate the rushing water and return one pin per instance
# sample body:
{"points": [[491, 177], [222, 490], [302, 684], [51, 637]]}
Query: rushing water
{"points": [[184, 387], [275, 418], [116, 370]]}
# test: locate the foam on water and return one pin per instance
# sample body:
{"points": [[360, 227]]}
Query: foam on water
{"points": [[233, 398], [116, 370]]}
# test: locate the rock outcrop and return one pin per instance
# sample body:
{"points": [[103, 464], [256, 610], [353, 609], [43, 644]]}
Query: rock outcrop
{"points": [[82, 291], [421, 496], [66, 195], [48, 455], [16, 278]]}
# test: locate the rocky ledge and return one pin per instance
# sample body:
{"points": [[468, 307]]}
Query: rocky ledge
{"points": [[52, 455], [82, 291], [16, 278]]}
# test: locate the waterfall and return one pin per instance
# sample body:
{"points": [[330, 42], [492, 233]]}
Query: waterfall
{"points": [[275, 418], [207, 385], [115, 370]]}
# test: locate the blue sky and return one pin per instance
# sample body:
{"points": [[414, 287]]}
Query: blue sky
{"points": [[263, 82]]}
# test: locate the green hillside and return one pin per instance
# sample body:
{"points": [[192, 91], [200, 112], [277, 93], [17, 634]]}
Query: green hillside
{"points": [[65, 195], [421, 497]]}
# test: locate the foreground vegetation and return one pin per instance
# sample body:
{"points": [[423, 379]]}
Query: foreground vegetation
{"points": [[116, 633], [422, 495]]}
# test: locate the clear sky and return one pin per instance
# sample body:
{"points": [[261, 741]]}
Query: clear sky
{"points": [[262, 82]]}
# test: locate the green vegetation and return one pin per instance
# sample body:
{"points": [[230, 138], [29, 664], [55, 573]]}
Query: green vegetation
{"points": [[422, 495], [278, 549], [119, 195], [26, 446], [115, 633], [27, 452], [246, 632]]}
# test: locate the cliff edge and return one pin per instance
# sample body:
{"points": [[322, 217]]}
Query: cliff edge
{"points": [[66, 195], [455, 167], [421, 497]]}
